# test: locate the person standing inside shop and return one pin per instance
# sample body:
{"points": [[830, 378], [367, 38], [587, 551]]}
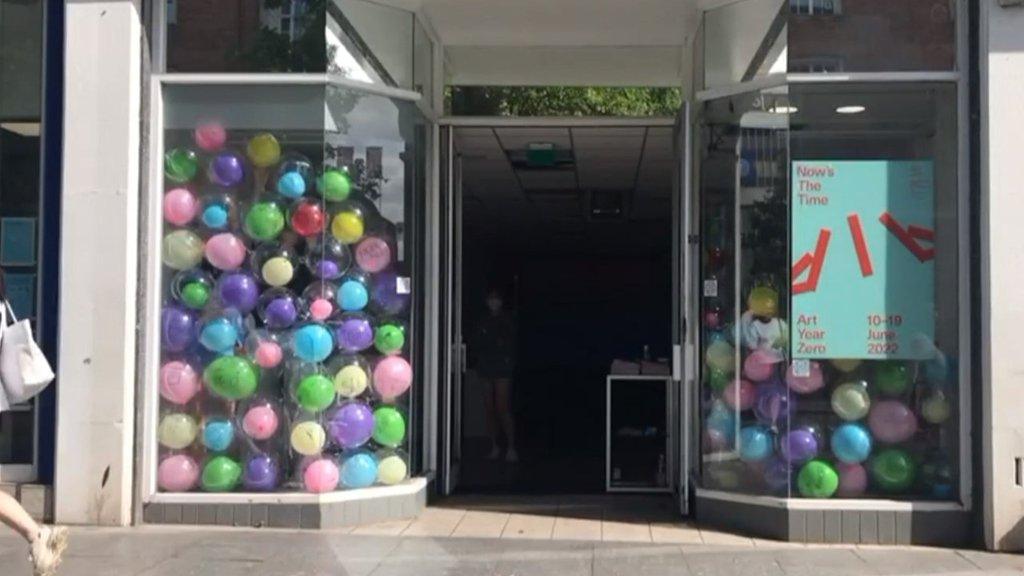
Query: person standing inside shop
{"points": [[493, 352], [47, 542]]}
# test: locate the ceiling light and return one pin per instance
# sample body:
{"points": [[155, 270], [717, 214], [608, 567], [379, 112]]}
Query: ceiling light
{"points": [[850, 109], [783, 109]]}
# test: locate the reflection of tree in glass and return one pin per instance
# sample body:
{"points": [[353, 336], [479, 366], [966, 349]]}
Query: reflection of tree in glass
{"points": [[274, 51]]}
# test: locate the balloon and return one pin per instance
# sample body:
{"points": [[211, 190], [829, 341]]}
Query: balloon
{"points": [[373, 254], [938, 475], [721, 356], [177, 431], [777, 473], [179, 206], [851, 401], [721, 422], [260, 421], [799, 445], [218, 434], [936, 408], [328, 258], [291, 185], [817, 479], [806, 384], [713, 319], [759, 365], [308, 438], [177, 328], [320, 297], [219, 335], [392, 377], [892, 422], [312, 343], [351, 381], [773, 404], [264, 150], [763, 301], [853, 480], [177, 473], [846, 366], [353, 295], [387, 297], [308, 218], [315, 392], [893, 470], [265, 221], [232, 377], [351, 425], [939, 370], [182, 250], [238, 290], [225, 251], [215, 215], [210, 136], [195, 295], [261, 473], [294, 176], [180, 165], [278, 271], [389, 339], [358, 470], [851, 443], [392, 470], [718, 379], [739, 395], [321, 476], [755, 444], [354, 333], [388, 426], [348, 227], [226, 169], [179, 382], [892, 378], [278, 308], [334, 185], [221, 474], [320, 309]]}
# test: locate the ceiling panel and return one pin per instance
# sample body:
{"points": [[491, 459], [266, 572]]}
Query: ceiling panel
{"points": [[520, 138]]}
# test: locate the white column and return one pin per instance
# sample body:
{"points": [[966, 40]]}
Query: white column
{"points": [[99, 248], [1002, 100]]}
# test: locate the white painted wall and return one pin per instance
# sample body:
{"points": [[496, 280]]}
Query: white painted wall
{"points": [[1002, 61], [99, 247]]}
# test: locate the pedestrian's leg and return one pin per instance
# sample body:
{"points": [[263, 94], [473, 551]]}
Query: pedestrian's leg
{"points": [[503, 407], [14, 516], [491, 417]]}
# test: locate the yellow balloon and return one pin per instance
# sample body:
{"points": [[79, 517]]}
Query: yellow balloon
{"points": [[348, 227], [308, 438], [264, 150], [846, 365], [392, 470], [278, 271], [763, 301], [351, 381], [177, 431], [721, 356], [182, 250]]}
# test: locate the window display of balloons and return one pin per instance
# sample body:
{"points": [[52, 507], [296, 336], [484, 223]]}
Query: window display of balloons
{"points": [[351, 376], [354, 333], [755, 444], [177, 431], [373, 254], [348, 226], [294, 176], [774, 404], [263, 150], [265, 349], [219, 335], [389, 294], [817, 479], [389, 339], [177, 473], [312, 343], [225, 251], [192, 288], [321, 476], [806, 384], [759, 365], [226, 169], [936, 409], [392, 377], [388, 426], [232, 377], [334, 185], [392, 469], [353, 294], [320, 299], [328, 258], [177, 328], [216, 212], [350, 425], [892, 378], [180, 165], [307, 218], [721, 356], [308, 438], [739, 395], [893, 470], [180, 206], [261, 420], [314, 392], [218, 434], [179, 382], [262, 473], [800, 444], [850, 401], [264, 221], [239, 291], [358, 470], [851, 443], [853, 480], [221, 474], [277, 265], [210, 136], [892, 422], [182, 249], [278, 308]]}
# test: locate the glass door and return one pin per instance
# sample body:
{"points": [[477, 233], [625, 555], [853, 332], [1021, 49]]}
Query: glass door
{"points": [[454, 365], [683, 343]]}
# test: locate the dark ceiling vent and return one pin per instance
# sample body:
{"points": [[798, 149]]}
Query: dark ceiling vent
{"points": [[540, 160]]}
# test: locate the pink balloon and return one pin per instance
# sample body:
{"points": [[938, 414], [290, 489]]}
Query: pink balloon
{"points": [[260, 422], [320, 309], [373, 254], [180, 206], [392, 377], [179, 382], [268, 354], [853, 480], [806, 384], [715, 440], [225, 251], [739, 395], [758, 366], [321, 476], [210, 136], [177, 473], [891, 421]]}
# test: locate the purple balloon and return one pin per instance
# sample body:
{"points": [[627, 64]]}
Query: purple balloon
{"points": [[327, 269], [177, 328], [239, 290], [777, 473], [799, 445], [261, 473], [773, 403], [226, 169], [280, 313], [351, 425], [384, 294], [354, 334]]}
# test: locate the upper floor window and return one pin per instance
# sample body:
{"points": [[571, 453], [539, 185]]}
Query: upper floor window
{"points": [[816, 7]]}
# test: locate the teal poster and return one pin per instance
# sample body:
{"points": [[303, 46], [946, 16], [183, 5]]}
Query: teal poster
{"points": [[863, 259]]}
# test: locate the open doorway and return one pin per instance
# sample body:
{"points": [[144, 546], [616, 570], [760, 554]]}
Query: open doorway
{"points": [[565, 276]]}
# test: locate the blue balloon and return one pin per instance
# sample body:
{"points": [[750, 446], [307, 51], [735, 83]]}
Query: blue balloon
{"points": [[353, 296], [358, 470], [215, 216], [755, 443], [722, 420], [219, 335], [851, 443], [312, 343], [291, 185], [218, 435]]}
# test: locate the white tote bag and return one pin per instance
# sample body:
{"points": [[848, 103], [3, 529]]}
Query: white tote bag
{"points": [[24, 370]]}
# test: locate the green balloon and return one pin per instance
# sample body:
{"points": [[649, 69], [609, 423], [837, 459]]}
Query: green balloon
{"points": [[718, 379], [389, 339], [264, 221], [388, 426], [180, 165], [315, 392], [232, 377], [892, 378], [893, 470], [221, 474], [335, 185], [817, 479], [195, 295]]}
